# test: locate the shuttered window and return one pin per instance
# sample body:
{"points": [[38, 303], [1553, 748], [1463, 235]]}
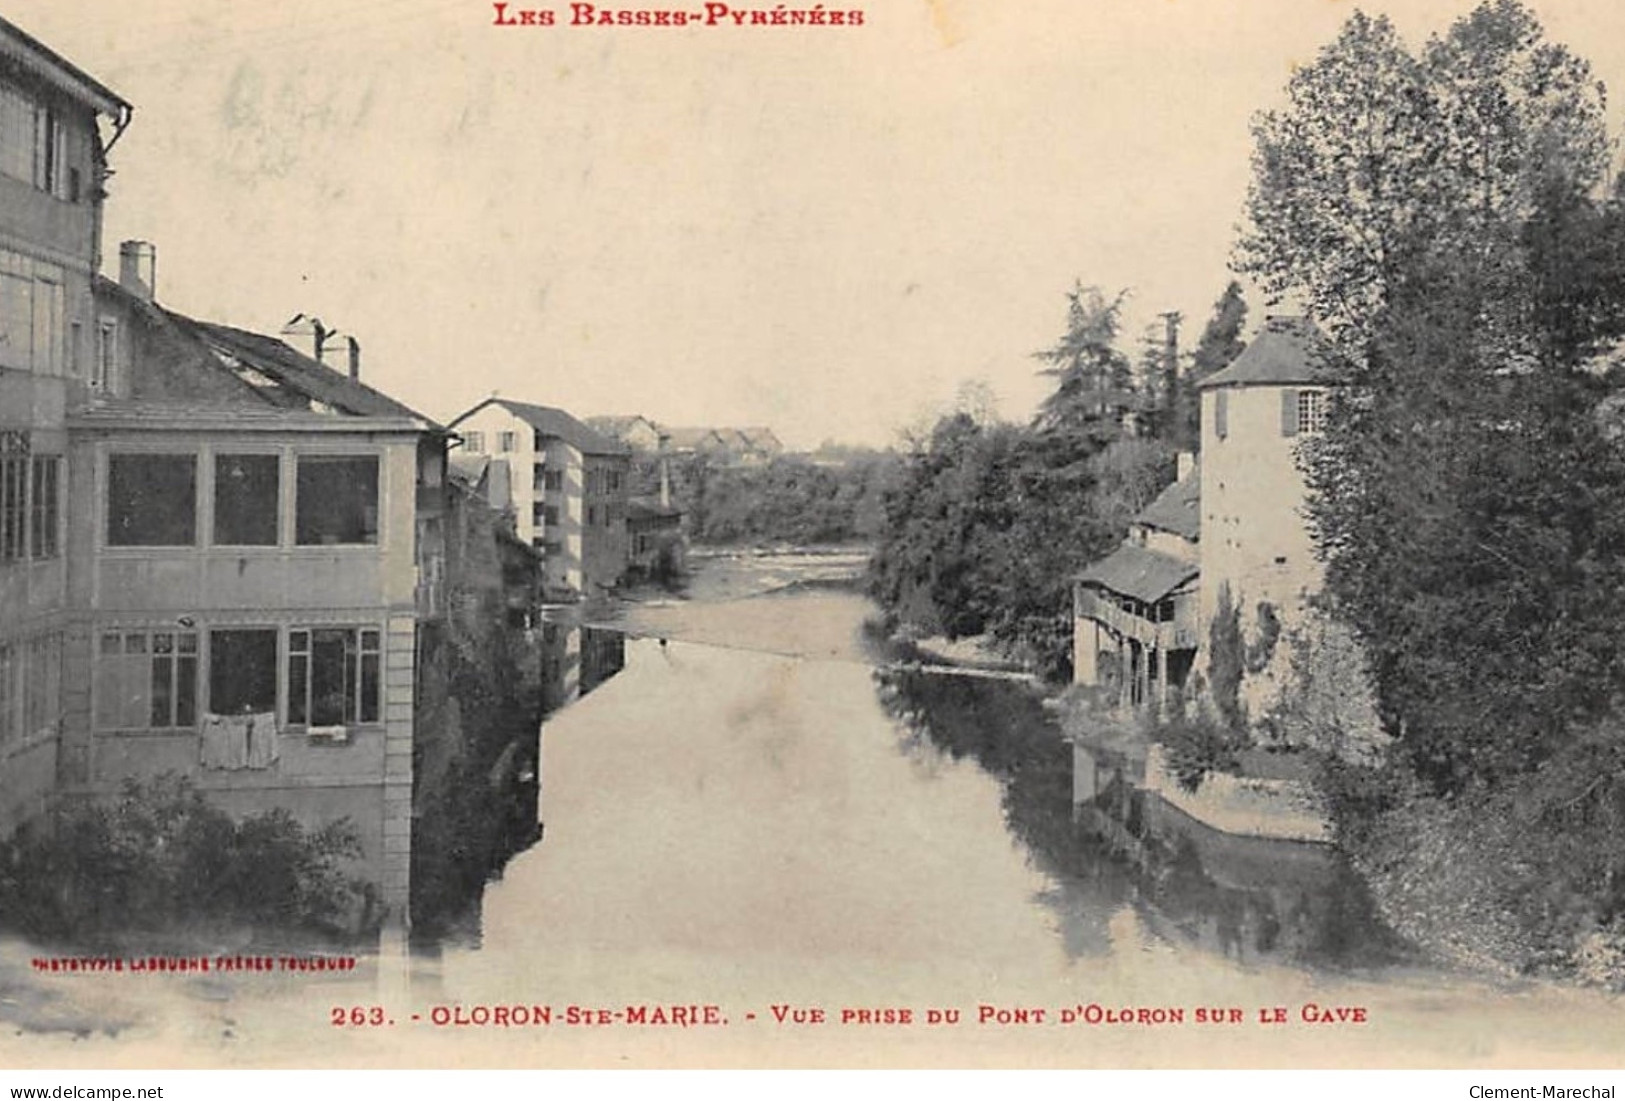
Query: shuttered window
{"points": [[1289, 412]]}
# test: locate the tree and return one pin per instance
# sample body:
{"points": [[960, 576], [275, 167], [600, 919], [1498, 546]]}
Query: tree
{"points": [[1342, 177], [1462, 494], [1094, 381], [1220, 343]]}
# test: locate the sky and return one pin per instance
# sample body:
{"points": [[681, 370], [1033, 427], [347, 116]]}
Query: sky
{"points": [[828, 230]]}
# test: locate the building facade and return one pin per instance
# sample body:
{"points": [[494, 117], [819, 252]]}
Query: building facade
{"points": [[1229, 534], [56, 125], [1135, 612], [566, 486]]}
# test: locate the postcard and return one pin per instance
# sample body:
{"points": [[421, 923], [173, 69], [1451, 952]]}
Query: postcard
{"points": [[589, 535]]}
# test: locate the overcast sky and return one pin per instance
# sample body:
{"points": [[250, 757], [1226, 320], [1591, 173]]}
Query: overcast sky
{"points": [[828, 230]]}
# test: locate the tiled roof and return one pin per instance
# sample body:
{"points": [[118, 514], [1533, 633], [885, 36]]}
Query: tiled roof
{"points": [[616, 426], [1177, 509], [298, 372], [1286, 350], [1140, 573], [149, 414], [557, 423], [691, 437]]}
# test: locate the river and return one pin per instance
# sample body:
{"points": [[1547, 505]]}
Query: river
{"points": [[750, 815]]}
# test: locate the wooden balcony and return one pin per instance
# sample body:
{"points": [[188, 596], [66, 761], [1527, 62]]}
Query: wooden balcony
{"points": [[1178, 633]]}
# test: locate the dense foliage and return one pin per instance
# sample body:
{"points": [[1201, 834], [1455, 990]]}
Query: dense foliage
{"points": [[990, 521], [163, 860], [1442, 212], [791, 499]]}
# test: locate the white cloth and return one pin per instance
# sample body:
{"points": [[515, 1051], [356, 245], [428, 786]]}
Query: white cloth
{"points": [[225, 742], [264, 745]]}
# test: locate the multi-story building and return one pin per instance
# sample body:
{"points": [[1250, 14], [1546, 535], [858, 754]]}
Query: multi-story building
{"points": [[246, 560], [1231, 532], [566, 486], [56, 125]]}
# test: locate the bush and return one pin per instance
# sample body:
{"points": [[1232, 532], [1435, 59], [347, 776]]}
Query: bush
{"points": [[163, 859], [1199, 745]]}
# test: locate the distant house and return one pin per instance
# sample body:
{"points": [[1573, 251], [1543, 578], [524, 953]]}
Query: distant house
{"points": [[655, 534], [566, 485], [1135, 612], [695, 441], [763, 442], [728, 445], [1231, 529], [636, 431]]}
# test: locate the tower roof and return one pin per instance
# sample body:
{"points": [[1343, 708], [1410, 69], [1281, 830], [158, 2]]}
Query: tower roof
{"points": [[1286, 351]]}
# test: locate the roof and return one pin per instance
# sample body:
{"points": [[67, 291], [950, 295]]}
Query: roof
{"points": [[1286, 350], [691, 437], [618, 425], [146, 414], [268, 356], [35, 57], [761, 436], [556, 423], [1177, 509], [1143, 574]]}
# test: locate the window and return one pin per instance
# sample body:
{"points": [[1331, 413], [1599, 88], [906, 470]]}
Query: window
{"points": [[16, 320], [337, 500], [31, 314], [101, 371], [550, 515], [474, 442], [507, 441], [17, 134], [8, 695], [333, 676], [592, 515], [1221, 414], [614, 481], [146, 679], [76, 343], [553, 479], [33, 144], [46, 505], [42, 684], [1311, 411], [13, 499], [151, 500], [242, 672], [538, 474], [246, 500]]}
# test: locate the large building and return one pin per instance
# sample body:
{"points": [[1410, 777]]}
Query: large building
{"points": [[56, 123], [217, 554], [566, 486], [1231, 531]]}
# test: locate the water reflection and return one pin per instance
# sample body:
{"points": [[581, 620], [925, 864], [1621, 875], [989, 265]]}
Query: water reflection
{"points": [[460, 848], [1106, 843]]}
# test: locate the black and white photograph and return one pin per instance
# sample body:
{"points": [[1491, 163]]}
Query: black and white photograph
{"points": [[910, 534]]}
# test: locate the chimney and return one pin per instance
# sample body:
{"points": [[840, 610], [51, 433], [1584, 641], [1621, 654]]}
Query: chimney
{"points": [[354, 347], [138, 269], [308, 330], [1186, 463], [665, 472]]}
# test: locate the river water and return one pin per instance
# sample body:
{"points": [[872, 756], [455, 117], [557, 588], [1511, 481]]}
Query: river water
{"points": [[749, 816], [754, 812]]}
